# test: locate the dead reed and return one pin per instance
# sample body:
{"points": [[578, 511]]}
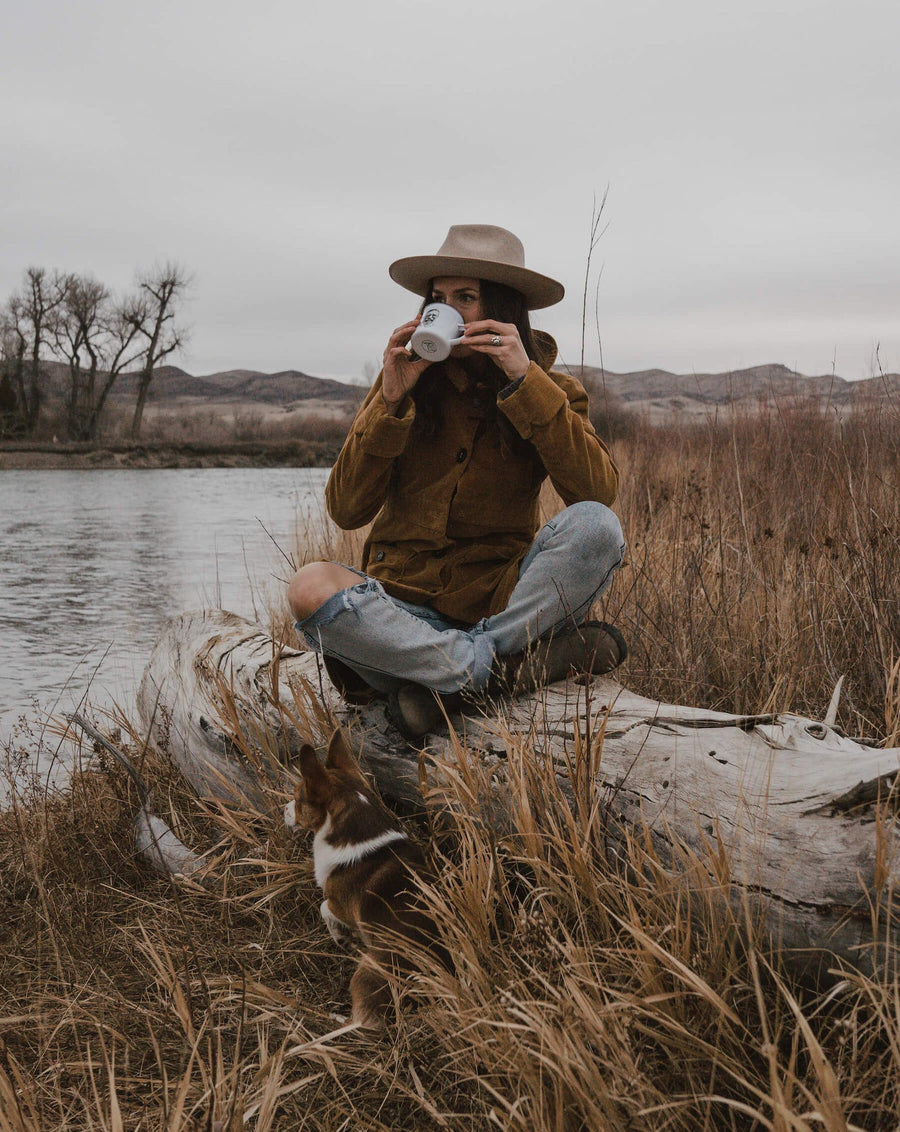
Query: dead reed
{"points": [[248, 425], [762, 562], [585, 995]]}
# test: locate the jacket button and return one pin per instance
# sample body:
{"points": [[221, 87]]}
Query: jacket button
{"points": [[461, 455], [379, 556]]}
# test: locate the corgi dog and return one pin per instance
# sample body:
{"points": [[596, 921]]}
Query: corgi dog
{"points": [[366, 866]]}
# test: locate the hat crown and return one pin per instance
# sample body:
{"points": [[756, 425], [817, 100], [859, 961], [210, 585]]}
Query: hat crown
{"points": [[485, 242]]}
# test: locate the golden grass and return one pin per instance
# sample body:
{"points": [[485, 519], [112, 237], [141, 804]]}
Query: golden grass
{"points": [[585, 995], [762, 563]]}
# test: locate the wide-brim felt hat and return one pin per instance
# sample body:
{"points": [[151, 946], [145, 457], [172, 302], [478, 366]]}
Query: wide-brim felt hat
{"points": [[479, 251]]}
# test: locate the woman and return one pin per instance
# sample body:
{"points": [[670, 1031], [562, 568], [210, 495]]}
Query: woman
{"points": [[456, 594]]}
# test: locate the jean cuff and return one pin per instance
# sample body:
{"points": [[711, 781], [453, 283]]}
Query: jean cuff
{"points": [[338, 603], [484, 653]]}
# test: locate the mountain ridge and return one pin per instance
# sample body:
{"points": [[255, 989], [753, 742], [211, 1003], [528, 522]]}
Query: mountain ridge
{"points": [[660, 392], [657, 392]]}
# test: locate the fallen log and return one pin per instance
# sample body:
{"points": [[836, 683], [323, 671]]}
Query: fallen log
{"points": [[802, 814], [153, 839]]}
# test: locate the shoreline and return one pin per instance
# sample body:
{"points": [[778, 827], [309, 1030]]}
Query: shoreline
{"points": [[31, 455]]}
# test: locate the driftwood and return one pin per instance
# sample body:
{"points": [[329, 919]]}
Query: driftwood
{"points": [[153, 839], [801, 813]]}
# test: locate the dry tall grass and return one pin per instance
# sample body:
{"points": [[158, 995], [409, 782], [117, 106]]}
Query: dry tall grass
{"points": [[584, 996], [246, 425], [763, 562]]}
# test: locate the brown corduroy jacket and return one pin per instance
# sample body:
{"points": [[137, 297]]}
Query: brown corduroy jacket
{"points": [[455, 513]]}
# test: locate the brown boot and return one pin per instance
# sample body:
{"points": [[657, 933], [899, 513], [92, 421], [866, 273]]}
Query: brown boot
{"points": [[415, 710], [595, 647], [348, 681]]}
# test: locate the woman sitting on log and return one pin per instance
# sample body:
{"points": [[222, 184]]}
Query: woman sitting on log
{"points": [[459, 594]]}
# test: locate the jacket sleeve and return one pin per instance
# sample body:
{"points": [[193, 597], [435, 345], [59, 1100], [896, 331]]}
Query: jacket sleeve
{"points": [[358, 482], [552, 412]]}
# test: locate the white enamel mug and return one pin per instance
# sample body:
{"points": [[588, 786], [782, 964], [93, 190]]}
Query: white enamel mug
{"points": [[439, 331]]}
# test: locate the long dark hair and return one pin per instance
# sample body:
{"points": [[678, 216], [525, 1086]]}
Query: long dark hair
{"points": [[505, 304]]}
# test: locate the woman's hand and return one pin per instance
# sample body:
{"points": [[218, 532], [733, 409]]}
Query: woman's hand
{"points": [[508, 353], [401, 370]]}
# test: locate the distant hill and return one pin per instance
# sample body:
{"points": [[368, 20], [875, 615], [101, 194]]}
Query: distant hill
{"points": [[283, 388], [656, 393], [237, 385], [660, 394]]}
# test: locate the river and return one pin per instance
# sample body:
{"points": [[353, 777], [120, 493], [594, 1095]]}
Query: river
{"points": [[92, 563]]}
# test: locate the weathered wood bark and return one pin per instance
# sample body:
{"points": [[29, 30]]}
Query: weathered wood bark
{"points": [[153, 839], [797, 809]]}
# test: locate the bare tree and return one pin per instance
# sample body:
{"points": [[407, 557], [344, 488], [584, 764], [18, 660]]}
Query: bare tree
{"points": [[12, 354], [79, 341], [122, 349], [98, 339], [160, 291], [28, 327], [75, 318]]}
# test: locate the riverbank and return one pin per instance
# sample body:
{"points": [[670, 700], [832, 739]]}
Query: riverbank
{"points": [[29, 455]]}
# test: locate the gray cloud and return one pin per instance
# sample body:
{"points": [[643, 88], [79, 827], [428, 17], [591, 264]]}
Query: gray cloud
{"points": [[286, 154]]}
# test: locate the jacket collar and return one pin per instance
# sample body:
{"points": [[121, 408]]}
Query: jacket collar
{"points": [[546, 348]]}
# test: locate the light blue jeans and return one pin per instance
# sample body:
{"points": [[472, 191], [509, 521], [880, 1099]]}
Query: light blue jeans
{"points": [[390, 642]]}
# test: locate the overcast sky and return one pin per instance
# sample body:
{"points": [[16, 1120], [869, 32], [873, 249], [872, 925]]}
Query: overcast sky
{"points": [[285, 153]]}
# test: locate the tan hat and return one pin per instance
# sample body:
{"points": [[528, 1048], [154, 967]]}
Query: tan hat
{"points": [[479, 251]]}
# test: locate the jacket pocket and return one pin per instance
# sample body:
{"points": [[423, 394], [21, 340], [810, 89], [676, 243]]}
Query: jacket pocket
{"points": [[387, 560]]}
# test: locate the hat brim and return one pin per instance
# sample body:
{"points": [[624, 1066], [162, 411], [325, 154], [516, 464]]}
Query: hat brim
{"points": [[416, 272]]}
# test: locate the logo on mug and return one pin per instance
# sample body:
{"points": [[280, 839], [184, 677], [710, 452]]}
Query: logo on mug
{"points": [[439, 331]]}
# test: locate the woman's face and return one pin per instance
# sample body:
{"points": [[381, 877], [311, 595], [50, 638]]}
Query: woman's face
{"points": [[463, 295]]}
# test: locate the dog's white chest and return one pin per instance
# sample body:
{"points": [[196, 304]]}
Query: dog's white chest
{"points": [[328, 857]]}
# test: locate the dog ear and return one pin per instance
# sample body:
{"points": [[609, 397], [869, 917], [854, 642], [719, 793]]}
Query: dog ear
{"points": [[340, 757], [313, 774]]}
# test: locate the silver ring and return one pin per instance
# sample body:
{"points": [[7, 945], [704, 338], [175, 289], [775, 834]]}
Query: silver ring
{"points": [[496, 340]]}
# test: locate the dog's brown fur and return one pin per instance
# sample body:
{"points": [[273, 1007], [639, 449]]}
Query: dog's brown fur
{"points": [[367, 867]]}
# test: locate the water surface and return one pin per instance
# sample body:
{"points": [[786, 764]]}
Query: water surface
{"points": [[93, 562]]}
